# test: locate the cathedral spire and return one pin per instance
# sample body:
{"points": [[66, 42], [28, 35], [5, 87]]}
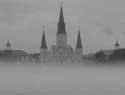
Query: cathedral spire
{"points": [[61, 18], [43, 44], [79, 42], [61, 23], [8, 45]]}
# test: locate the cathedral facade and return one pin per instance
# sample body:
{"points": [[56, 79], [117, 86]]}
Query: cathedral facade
{"points": [[61, 52]]}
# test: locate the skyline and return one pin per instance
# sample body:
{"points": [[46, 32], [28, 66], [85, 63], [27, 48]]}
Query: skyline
{"points": [[99, 21]]}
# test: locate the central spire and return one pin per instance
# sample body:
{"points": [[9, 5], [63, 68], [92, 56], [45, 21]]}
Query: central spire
{"points": [[61, 18], [61, 23]]}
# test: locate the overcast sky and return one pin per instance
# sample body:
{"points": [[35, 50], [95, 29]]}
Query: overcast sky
{"points": [[101, 22]]}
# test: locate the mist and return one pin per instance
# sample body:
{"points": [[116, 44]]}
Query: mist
{"points": [[61, 79]]}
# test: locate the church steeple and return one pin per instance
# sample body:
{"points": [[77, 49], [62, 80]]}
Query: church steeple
{"points": [[117, 44], [8, 45], [61, 17], [61, 23], [43, 44], [79, 42]]}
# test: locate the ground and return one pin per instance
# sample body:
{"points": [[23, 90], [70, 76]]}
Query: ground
{"points": [[61, 79]]}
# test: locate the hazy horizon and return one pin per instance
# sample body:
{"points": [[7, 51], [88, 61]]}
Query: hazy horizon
{"points": [[101, 23]]}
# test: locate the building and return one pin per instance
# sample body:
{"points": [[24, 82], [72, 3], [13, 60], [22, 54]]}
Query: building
{"points": [[111, 55], [10, 55], [61, 52]]}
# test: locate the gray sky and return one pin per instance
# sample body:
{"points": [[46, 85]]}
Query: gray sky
{"points": [[101, 22]]}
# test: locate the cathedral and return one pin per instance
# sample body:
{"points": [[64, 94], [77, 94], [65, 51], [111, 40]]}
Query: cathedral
{"points": [[61, 52]]}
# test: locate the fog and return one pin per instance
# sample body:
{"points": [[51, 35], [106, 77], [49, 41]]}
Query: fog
{"points": [[61, 79]]}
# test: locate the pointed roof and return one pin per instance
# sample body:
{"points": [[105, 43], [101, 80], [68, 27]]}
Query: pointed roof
{"points": [[43, 44], [61, 23], [8, 44], [79, 42], [117, 44], [61, 17]]}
